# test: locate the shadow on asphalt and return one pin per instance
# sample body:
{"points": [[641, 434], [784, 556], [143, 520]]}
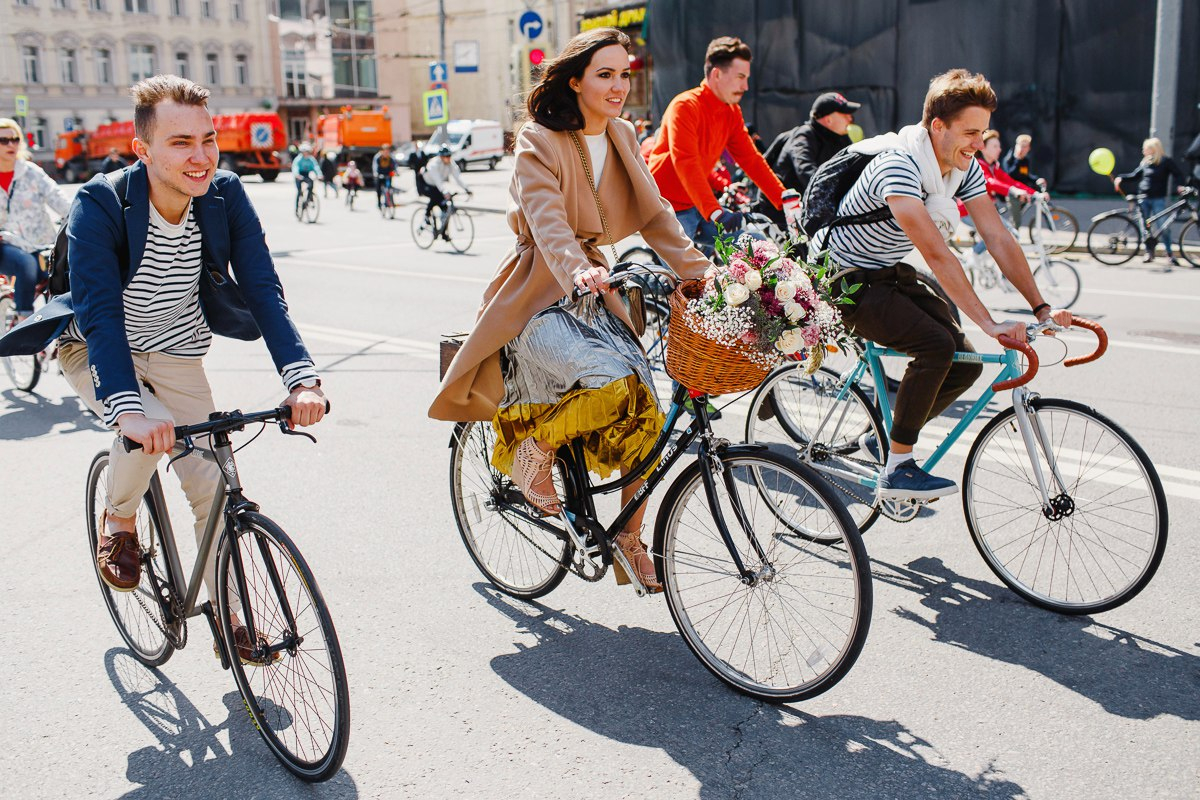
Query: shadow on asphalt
{"points": [[190, 759], [645, 688], [1126, 674], [31, 415]]}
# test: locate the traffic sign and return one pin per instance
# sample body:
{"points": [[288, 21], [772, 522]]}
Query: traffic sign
{"points": [[262, 137], [466, 56], [22, 106], [437, 107], [437, 72], [68, 124], [530, 24]]}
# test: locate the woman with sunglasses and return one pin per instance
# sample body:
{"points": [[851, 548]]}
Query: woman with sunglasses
{"points": [[25, 227]]}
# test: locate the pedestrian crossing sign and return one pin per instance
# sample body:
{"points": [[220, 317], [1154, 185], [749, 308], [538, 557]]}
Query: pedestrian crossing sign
{"points": [[437, 107]]}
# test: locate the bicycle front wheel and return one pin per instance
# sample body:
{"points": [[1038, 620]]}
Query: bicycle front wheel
{"points": [[310, 210], [23, 371], [299, 699], [1102, 537], [1189, 243], [422, 228], [138, 614], [1057, 231], [519, 557], [1058, 281], [790, 410], [1114, 240], [460, 230], [798, 626]]}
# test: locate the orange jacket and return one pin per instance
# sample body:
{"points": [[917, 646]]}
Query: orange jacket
{"points": [[696, 128]]}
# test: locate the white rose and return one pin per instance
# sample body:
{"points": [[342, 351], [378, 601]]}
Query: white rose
{"points": [[785, 290], [736, 294], [793, 311], [788, 342], [753, 280]]}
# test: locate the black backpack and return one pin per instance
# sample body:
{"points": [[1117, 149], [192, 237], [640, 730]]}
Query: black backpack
{"points": [[830, 183], [58, 270]]}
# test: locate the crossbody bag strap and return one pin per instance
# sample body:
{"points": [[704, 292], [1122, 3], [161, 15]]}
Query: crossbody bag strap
{"points": [[587, 171]]}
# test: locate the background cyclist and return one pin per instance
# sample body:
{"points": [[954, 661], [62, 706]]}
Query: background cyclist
{"points": [[438, 174], [305, 170], [383, 169]]}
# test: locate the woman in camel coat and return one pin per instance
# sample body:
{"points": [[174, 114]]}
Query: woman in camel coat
{"points": [[574, 371]]}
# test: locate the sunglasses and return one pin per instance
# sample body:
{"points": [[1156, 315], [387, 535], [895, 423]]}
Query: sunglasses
{"points": [[10, 140]]}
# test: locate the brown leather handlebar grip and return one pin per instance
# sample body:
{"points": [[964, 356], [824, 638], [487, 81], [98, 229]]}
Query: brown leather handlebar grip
{"points": [[1101, 345], [1030, 370]]}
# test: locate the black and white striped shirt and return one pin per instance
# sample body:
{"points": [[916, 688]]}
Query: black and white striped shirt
{"points": [[162, 307], [882, 244]]}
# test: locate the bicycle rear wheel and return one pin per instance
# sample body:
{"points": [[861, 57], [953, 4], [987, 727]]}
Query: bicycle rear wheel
{"points": [[310, 210], [1058, 281], [798, 627], [1189, 243], [1114, 240], [138, 614], [1101, 541], [460, 230], [786, 413], [422, 228], [300, 703], [23, 371], [518, 556], [1059, 229]]}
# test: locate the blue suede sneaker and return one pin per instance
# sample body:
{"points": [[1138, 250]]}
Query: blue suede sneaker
{"points": [[910, 482]]}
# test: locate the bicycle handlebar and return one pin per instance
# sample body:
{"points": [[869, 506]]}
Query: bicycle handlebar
{"points": [[224, 421], [624, 270], [1101, 343], [1032, 368]]}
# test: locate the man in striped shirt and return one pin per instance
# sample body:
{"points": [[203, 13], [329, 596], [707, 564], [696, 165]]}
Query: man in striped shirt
{"points": [[894, 310], [150, 284]]}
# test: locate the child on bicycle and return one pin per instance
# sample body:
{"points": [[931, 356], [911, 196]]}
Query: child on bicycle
{"points": [[305, 170], [352, 178]]}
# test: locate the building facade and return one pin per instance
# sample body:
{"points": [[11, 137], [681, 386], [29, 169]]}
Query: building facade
{"points": [[72, 61]]}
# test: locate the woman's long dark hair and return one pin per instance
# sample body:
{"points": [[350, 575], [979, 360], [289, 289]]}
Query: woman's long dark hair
{"points": [[553, 103]]}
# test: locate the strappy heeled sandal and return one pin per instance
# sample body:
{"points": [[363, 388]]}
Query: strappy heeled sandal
{"points": [[532, 465], [630, 545]]}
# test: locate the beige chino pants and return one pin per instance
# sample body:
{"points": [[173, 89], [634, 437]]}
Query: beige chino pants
{"points": [[179, 391]]}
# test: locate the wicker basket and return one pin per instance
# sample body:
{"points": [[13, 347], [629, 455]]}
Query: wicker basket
{"points": [[698, 362]]}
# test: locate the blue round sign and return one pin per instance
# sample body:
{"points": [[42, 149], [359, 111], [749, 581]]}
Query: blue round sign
{"points": [[530, 24]]}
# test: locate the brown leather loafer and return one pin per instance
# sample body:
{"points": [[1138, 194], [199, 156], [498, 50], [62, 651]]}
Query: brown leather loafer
{"points": [[118, 558], [245, 651]]}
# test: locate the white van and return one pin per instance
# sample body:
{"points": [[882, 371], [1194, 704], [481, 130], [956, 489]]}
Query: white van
{"points": [[470, 141]]}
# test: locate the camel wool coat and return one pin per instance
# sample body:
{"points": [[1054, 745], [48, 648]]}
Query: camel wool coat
{"points": [[559, 232]]}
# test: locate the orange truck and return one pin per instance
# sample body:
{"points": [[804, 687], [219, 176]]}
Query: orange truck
{"points": [[249, 145], [355, 134]]}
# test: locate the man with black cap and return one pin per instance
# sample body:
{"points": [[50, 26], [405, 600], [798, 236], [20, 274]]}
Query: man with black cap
{"points": [[796, 154]]}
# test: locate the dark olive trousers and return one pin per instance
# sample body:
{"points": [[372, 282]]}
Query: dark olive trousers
{"points": [[894, 310]]}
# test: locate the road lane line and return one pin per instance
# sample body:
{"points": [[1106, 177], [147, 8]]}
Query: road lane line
{"points": [[1151, 295], [286, 254], [395, 273], [1159, 348]]}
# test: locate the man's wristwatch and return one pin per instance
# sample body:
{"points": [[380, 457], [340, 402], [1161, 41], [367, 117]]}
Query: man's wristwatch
{"points": [[306, 386]]}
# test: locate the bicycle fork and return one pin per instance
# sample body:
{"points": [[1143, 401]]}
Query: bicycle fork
{"points": [[710, 457], [1033, 434]]}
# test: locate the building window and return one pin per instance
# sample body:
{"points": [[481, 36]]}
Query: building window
{"points": [[104, 67], [29, 60], [62, 4], [290, 9], [206, 9], [96, 5], [178, 8], [137, 6], [141, 62], [25, 3], [236, 12], [212, 69], [183, 67], [241, 69], [68, 66], [295, 81], [37, 129]]}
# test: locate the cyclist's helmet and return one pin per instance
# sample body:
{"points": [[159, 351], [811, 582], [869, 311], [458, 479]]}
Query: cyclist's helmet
{"points": [[306, 148], [444, 152]]}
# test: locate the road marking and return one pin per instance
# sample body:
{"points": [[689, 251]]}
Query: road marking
{"points": [[1152, 295], [395, 273], [286, 254], [1160, 348]]}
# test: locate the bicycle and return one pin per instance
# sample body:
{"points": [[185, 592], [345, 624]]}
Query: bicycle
{"points": [[1058, 280], [387, 200], [450, 223], [308, 207], [1117, 236], [1084, 534], [765, 575], [26, 371], [302, 678], [351, 194], [1052, 229]]}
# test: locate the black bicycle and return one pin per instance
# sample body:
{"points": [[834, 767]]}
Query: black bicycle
{"points": [[765, 574], [449, 223], [308, 207], [1117, 236], [294, 684], [25, 371]]}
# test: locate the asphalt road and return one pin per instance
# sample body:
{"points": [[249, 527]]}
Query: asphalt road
{"points": [[962, 690]]}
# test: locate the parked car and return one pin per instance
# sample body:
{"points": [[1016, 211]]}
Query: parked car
{"points": [[471, 141]]}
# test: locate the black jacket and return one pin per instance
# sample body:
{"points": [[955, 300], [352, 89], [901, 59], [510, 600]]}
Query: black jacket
{"points": [[1018, 168], [796, 154], [1152, 178], [1192, 154]]}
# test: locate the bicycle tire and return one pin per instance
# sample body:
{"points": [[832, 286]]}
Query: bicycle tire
{"points": [[1189, 243], [1058, 282], [138, 614], [516, 556], [460, 230], [1114, 239], [1095, 457], [1058, 221], [785, 412], [422, 229], [279, 697], [23, 371], [804, 625], [310, 210]]}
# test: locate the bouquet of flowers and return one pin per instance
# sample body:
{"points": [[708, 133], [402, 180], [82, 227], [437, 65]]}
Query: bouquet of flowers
{"points": [[768, 306]]}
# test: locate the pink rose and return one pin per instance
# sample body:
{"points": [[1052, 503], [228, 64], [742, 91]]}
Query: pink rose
{"points": [[738, 269], [750, 337], [811, 334]]}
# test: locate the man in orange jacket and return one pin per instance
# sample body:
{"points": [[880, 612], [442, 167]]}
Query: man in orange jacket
{"points": [[697, 127]]}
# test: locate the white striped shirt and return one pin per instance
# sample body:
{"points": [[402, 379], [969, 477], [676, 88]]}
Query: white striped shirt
{"points": [[882, 244]]}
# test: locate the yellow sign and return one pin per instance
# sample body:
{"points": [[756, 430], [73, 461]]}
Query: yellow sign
{"points": [[617, 18], [437, 107]]}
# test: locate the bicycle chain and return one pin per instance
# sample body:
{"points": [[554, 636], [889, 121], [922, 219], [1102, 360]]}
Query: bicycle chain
{"points": [[178, 642], [573, 567], [840, 486]]}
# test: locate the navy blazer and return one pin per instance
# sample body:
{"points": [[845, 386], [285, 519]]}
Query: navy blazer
{"points": [[101, 222]]}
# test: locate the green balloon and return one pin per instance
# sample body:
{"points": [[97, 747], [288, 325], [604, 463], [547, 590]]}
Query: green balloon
{"points": [[1102, 161], [854, 132]]}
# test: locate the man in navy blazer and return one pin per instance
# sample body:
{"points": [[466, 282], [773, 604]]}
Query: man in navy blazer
{"points": [[151, 280]]}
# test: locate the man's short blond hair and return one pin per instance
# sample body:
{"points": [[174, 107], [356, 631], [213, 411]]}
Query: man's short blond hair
{"points": [[1024, 138], [148, 93], [952, 92]]}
